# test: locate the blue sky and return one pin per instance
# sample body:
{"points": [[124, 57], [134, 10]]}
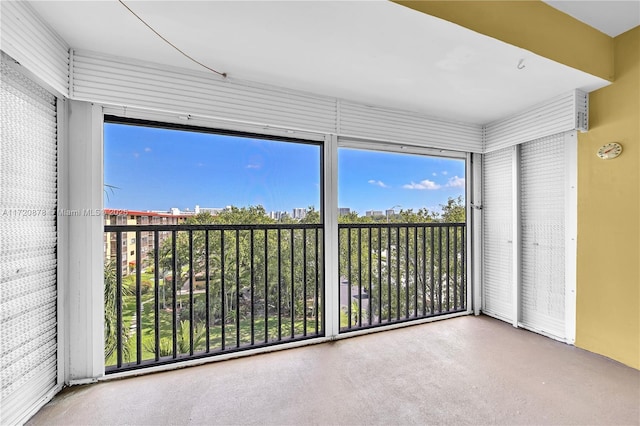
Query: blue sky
{"points": [[369, 180], [156, 169]]}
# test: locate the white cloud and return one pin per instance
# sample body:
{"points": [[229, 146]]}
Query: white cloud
{"points": [[378, 183], [434, 174], [136, 155], [253, 166], [147, 149], [445, 173], [423, 184], [455, 182]]}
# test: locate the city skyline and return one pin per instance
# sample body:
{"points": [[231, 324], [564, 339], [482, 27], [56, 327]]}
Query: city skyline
{"points": [[154, 169]]}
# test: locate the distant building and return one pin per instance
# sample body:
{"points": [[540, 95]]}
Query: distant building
{"points": [[299, 213], [390, 212], [278, 215], [343, 211], [130, 246], [373, 213], [213, 211]]}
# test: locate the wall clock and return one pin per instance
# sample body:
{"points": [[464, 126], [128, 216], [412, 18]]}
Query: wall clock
{"points": [[609, 151]]}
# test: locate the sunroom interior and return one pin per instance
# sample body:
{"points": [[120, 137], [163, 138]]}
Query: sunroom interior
{"points": [[526, 93]]}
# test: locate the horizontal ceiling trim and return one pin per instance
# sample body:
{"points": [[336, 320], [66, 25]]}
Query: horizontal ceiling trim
{"points": [[208, 122]]}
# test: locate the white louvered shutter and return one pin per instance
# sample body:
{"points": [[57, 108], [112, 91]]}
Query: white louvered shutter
{"points": [[542, 201], [28, 200], [497, 237]]}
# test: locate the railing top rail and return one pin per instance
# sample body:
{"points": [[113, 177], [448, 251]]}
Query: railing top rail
{"points": [[210, 227], [401, 225]]}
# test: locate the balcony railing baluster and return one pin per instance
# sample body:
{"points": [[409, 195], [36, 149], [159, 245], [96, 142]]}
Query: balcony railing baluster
{"points": [[304, 282], [415, 271], [266, 287], [359, 277], [279, 285], [138, 302], [370, 292], [424, 272], [191, 278], [207, 292], [156, 294], [223, 302], [407, 273], [419, 273], [237, 310], [174, 301], [440, 270], [317, 279], [400, 271], [292, 309], [119, 330], [252, 274], [448, 266], [234, 261]]}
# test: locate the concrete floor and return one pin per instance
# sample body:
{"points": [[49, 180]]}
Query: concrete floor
{"points": [[467, 370]]}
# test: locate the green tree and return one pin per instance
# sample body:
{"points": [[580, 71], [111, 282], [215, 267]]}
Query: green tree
{"points": [[397, 262], [312, 216], [405, 268], [453, 211]]}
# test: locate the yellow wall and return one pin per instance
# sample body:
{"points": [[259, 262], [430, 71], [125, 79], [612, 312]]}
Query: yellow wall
{"points": [[608, 269], [608, 293]]}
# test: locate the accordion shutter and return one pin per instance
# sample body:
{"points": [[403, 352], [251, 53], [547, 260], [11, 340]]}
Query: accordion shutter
{"points": [[542, 202], [497, 238], [28, 287]]}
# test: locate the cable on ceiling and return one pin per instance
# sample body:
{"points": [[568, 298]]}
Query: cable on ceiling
{"points": [[223, 74]]}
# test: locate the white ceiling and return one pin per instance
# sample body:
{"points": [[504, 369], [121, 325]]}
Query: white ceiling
{"points": [[373, 52], [611, 17]]}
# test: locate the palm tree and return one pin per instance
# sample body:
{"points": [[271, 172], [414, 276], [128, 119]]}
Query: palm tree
{"points": [[110, 313], [166, 343]]}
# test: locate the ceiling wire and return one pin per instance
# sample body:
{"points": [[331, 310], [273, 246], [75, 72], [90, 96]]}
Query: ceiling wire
{"points": [[223, 74]]}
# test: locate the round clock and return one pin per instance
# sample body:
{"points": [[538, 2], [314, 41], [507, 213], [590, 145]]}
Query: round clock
{"points": [[609, 151]]}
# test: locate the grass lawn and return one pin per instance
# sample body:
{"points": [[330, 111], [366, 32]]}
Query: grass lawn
{"points": [[215, 330]]}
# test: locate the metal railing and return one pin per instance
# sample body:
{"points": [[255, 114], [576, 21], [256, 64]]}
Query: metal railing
{"points": [[202, 290], [397, 272]]}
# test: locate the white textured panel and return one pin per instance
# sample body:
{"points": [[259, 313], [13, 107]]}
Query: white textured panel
{"points": [[361, 121], [29, 40], [126, 82], [497, 237], [561, 114], [543, 235], [28, 291]]}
